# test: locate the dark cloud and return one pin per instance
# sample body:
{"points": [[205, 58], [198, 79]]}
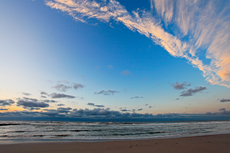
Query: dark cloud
{"points": [[124, 110], [62, 87], [177, 98], [222, 109], [146, 104], [30, 103], [44, 93], [105, 113], [99, 105], [60, 104], [191, 92], [224, 100], [77, 86], [49, 101], [59, 95], [29, 99], [27, 94], [43, 96], [108, 92], [125, 72], [92, 104], [150, 106], [64, 110], [3, 109], [101, 114], [140, 109], [36, 100], [7, 102], [180, 86], [136, 97]]}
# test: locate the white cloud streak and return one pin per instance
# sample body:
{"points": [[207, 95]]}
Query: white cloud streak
{"points": [[201, 26]]}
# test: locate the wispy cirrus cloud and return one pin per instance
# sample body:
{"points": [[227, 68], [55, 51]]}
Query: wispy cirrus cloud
{"points": [[202, 28]]}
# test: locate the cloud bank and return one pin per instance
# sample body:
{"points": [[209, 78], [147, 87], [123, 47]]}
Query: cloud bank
{"points": [[199, 31], [100, 114]]}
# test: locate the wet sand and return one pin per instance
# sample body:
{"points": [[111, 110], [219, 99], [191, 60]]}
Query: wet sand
{"points": [[199, 144]]}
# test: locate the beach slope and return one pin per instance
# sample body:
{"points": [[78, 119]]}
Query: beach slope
{"points": [[201, 144]]}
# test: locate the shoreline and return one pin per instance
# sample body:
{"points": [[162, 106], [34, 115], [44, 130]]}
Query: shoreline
{"points": [[28, 141], [206, 143]]}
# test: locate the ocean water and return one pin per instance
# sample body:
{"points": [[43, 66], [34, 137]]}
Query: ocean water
{"points": [[29, 131]]}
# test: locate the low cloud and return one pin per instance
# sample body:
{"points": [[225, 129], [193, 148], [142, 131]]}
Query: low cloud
{"points": [[64, 110], [7, 102], [64, 87], [60, 104], [136, 110], [92, 104], [191, 92], [59, 95], [136, 97], [108, 92], [27, 94], [3, 109], [224, 100], [222, 109], [101, 114], [180, 86], [49, 101], [77, 86], [124, 110], [31, 104], [44, 93]]}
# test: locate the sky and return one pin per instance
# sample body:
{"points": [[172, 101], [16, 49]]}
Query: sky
{"points": [[114, 59]]}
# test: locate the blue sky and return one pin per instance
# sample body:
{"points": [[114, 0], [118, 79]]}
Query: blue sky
{"points": [[155, 57]]}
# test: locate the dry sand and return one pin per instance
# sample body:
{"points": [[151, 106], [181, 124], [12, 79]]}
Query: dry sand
{"points": [[199, 144]]}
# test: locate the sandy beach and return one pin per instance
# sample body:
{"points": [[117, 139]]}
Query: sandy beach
{"points": [[201, 144]]}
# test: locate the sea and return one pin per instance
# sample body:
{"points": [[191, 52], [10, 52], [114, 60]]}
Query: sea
{"points": [[37, 131]]}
